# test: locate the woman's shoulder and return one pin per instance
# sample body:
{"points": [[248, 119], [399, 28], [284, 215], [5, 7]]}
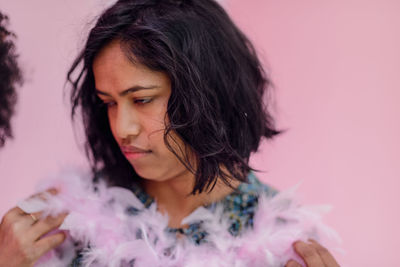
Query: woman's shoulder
{"points": [[255, 186], [249, 192], [241, 205]]}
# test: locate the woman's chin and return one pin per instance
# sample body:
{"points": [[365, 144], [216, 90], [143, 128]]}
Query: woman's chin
{"points": [[149, 174]]}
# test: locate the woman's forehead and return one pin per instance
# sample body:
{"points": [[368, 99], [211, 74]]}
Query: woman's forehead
{"points": [[113, 69]]}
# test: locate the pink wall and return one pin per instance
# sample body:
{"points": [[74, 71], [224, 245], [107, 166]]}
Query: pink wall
{"points": [[336, 68]]}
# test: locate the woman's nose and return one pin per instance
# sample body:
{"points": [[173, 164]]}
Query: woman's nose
{"points": [[127, 124]]}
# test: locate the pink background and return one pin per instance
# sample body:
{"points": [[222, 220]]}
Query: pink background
{"points": [[336, 69]]}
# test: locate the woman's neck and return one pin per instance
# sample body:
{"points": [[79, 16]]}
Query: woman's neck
{"points": [[173, 196]]}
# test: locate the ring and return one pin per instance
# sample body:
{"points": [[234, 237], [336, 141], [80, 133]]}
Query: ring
{"points": [[33, 217]]}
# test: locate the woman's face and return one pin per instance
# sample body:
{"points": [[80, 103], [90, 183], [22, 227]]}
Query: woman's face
{"points": [[136, 99]]}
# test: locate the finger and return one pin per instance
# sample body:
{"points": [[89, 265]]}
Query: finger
{"points": [[45, 225], [325, 255], [293, 263], [37, 202], [43, 195], [47, 243], [15, 215], [309, 254], [34, 217], [16, 211], [12, 215], [26, 220]]}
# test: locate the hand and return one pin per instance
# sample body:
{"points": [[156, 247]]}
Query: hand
{"points": [[313, 254], [22, 240]]}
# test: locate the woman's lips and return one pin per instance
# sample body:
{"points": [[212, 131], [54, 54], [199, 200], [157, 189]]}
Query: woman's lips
{"points": [[135, 155], [132, 152]]}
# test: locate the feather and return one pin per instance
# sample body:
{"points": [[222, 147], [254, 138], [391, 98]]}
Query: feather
{"points": [[99, 222]]}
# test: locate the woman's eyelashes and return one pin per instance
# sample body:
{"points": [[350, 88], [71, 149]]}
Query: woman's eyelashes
{"points": [[106, 103], [142, 101], [136, 101], [109, 104]]}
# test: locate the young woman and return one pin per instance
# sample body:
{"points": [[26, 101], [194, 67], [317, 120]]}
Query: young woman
{"points": [[172, 97]]}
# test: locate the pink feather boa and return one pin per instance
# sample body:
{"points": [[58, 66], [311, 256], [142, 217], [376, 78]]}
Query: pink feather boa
{"points": [[99, 219]]}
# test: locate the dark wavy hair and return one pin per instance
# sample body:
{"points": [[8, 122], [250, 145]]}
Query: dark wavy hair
{"points": [[216, 104], [10, 76]]}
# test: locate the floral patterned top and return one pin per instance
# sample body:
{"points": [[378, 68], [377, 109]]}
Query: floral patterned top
{"points": [[239, 207]]}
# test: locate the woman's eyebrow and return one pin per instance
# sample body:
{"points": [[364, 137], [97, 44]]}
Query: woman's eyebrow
{"points": [[129, 90]]}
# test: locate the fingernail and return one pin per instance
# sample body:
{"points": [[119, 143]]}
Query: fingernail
{"points": [[295, 243], [52, 190]]}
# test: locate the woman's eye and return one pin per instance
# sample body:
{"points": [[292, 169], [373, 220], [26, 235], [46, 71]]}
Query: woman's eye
{"points": [[142, 101], [109, 104]]}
